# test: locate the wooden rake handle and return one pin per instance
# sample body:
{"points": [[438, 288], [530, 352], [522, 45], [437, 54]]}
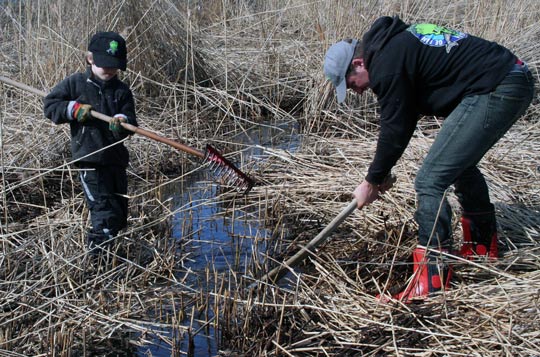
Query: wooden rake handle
{"points": [[106, 118], [151, 135], [278, 272], [222, 168]]}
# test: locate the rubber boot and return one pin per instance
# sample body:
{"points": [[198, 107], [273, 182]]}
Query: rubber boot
{"points": [[98, 242], [479, 235], [430, 274], [94, 241]]}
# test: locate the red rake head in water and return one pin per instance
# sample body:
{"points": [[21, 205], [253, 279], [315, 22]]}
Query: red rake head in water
{"points": [[226, 172]]}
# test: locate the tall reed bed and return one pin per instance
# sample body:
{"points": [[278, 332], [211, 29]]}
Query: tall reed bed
{"points": [[210, 71]]}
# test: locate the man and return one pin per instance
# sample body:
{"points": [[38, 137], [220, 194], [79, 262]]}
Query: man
{"points": [[423, 69]]}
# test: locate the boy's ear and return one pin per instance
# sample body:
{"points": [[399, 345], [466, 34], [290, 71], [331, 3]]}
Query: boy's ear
{"points": [[89, 58]]}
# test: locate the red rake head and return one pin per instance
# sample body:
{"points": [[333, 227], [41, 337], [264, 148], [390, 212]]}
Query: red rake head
{"points": [[226, 172]]}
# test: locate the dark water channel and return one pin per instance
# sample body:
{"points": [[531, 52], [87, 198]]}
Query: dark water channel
{"points": [[220, 241]]}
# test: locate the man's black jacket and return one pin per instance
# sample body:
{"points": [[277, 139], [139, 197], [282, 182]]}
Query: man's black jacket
{"points": [[423, 69]]}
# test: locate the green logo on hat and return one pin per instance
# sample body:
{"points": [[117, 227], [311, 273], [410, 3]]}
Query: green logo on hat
{"points": [[113, 47]]}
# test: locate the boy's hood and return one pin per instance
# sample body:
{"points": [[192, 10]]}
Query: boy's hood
{"points": [[382, 30]]}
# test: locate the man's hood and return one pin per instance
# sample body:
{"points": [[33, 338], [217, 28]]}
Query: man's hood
{"points": [[382, 30]]}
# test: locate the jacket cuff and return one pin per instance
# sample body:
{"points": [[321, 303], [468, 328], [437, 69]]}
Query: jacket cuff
{"points": [[69, 109], [123, 116], [374, 179]]}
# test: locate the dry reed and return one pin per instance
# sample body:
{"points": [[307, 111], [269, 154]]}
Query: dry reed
{"points": [[210, 72]]}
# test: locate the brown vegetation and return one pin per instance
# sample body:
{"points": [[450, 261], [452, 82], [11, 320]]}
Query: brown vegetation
{"points": [[209, 71]]}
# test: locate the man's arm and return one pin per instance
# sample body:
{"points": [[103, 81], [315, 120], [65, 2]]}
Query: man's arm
{"points": [[398, 119]]}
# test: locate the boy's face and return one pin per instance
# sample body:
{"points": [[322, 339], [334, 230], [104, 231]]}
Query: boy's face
{"points": [[104, 73]]}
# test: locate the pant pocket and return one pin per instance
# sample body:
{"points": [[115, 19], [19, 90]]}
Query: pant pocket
{"points": [[505, 106]]}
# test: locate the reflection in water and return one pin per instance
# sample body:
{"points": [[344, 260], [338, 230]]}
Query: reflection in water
{"points": [[221, 239]]}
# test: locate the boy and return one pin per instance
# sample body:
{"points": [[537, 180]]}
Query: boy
{"points": [[97, 146]]}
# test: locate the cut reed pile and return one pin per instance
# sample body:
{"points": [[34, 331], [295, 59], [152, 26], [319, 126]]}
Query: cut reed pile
{"points": [[329, 307], [208, 71]]}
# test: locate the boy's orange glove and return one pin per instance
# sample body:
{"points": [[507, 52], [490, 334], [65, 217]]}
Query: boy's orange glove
{"points": [[81, 112]]}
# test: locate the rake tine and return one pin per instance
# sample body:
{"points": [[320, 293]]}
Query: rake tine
{"points": [[232, 180], [247, 185], [226, 172], [236, 180], [210, 159], [218, 170], [215, 163], [230, 174], [226, 177], [215, 168]]}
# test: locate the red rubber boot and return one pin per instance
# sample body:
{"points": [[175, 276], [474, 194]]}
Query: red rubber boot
{"points": [[430, 274], [479, 235]]}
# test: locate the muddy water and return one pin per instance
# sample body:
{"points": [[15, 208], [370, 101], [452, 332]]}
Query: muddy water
{"points": [[221, 241]]}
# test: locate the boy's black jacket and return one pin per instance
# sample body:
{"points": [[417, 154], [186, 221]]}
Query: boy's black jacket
{"points": [[110, 98]]}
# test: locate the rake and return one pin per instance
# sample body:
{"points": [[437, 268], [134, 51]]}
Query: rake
{"points": [[222, 169], [281, 270]]}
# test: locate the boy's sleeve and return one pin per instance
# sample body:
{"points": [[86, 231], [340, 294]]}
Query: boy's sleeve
{"points": [[55, 104], [128, 109]]}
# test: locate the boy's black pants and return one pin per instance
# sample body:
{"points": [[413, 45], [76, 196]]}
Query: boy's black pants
{"points": [[105, 189]]}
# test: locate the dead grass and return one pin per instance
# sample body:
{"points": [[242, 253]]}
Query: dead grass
{"points": [[208, 72]]}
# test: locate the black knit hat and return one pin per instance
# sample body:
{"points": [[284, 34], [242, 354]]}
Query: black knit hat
{"points": [[108, 50]]}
